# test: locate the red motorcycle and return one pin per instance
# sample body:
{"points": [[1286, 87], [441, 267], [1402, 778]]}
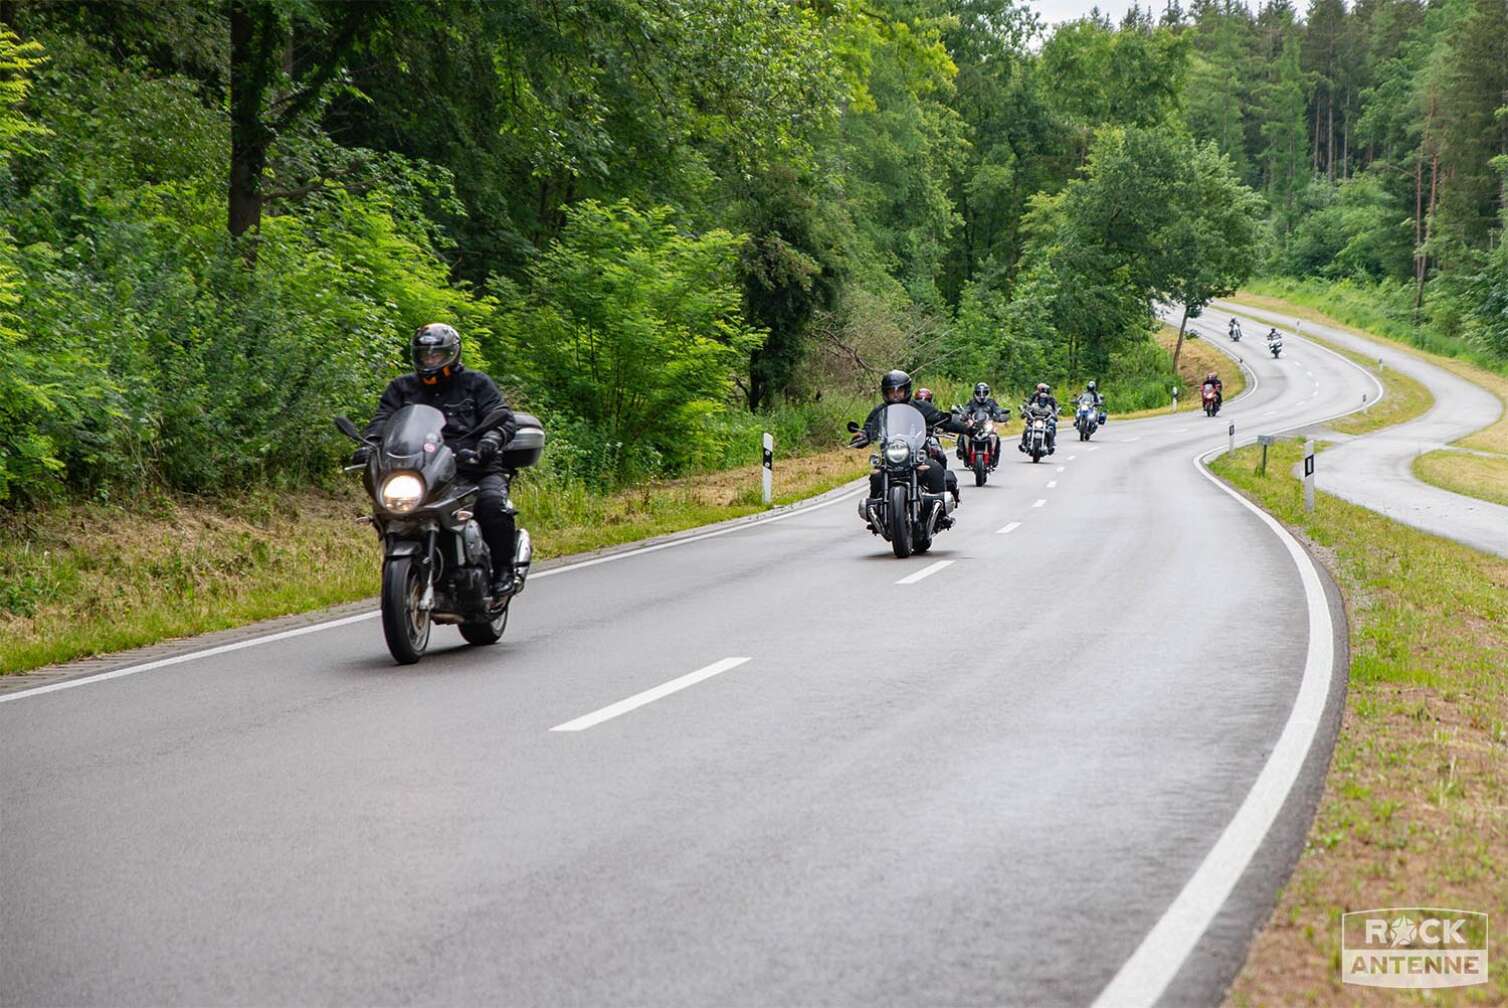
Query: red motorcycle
{"points": [[1211, 396]]}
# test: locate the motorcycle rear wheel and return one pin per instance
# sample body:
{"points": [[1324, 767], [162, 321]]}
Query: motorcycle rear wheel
{"points": [[900, 523], [405, 626]]}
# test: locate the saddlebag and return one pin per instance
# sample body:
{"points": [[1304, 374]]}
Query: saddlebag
{"points": [[527, 444]]}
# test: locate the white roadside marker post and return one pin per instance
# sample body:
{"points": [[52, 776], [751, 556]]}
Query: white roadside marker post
{"points": [[1175, 400], [1309, 475], [1264, 440], [767, 473], [1232, 432]]}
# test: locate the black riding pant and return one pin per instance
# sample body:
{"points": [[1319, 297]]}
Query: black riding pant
{"points": [[496, 519]]}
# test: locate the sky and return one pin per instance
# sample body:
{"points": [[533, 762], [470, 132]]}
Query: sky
{"points": [[1056, 11]]}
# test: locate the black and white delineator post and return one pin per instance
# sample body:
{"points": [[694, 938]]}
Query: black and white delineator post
{"points": [[767, 475], [1309, 475], [1175, 399], [1265, 440], [1232, 433]]}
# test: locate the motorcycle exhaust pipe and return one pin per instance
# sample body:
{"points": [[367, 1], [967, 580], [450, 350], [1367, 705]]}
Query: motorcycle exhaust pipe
{"points": [[523, 555]]}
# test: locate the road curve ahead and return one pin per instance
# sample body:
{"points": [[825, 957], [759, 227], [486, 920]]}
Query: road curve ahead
{"points": [[1376, 470], [1075, 745]]}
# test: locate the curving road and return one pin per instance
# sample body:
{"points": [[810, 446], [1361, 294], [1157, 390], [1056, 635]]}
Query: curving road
{"points": [[767, 765], [1376, 470]]}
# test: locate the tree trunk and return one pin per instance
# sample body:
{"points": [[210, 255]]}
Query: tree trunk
{"points": [[249, 136], [1178, 347], [1330, 136]]}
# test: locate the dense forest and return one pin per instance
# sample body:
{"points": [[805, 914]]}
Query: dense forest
{"points": [[665, 224]]}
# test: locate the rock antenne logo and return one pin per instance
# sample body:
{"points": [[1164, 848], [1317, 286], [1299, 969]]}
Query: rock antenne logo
{"points": [[1413, 947]]}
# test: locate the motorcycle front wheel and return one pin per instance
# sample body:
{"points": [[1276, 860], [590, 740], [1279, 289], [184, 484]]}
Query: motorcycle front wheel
{"points": [[900, 522], [981, 471], [404, 624], [488, 632]]}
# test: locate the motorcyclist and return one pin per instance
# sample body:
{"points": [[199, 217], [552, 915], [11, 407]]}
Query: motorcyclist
{"points": [[895, 388], [1093, 391], [934, 450], [1234, 330], [1044, 405], [1214, 379], [984, 402], [1273, 336], [465, 397]]}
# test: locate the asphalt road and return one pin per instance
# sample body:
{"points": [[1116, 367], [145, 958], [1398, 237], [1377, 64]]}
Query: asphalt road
{"points": [[1083, 751], [1376, 470]]}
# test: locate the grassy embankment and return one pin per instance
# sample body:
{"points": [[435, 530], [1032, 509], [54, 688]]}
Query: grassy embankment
{"points": [[87, 579], [1415, 807], [1476, 475]]}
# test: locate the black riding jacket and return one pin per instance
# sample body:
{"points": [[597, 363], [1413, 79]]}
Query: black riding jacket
{"points": [[465, 398], [934, 417], [996, 411]]}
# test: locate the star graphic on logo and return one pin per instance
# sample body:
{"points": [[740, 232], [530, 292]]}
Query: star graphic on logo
{"points": [[1402, 931]]}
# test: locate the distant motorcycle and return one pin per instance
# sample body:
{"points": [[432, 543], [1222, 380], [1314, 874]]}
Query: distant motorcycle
{"points": [[436, 567], [1210, 397], [1036, 422], [1275, 345], [1235, 331], [1087, 417], [980, 447], [904, 514]]}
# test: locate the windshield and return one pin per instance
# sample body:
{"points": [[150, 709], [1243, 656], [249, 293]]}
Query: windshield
{"points": [[1087, 399], [411, 434], [902, 420]]}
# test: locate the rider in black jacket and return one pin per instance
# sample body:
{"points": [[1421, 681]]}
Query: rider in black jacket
{"points": [[465, 397], [1044, 402], [895, 388]]}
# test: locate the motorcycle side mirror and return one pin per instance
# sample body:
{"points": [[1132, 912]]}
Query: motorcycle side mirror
{"points": [[853, 428], [347, 428]]}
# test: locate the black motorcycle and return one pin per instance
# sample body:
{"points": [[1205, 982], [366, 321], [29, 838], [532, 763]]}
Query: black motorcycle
{"points": [[1038, 422], [905, 514], [436, 567]]}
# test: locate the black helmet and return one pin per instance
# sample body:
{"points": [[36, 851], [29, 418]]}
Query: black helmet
{"points": [[895, 380], [924, 394], [981, 392], [436, 350]]}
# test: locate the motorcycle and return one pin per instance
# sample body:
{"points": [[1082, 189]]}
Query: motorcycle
{"points": [[436, 567], [1235, 331], [1210, 398], [1087, 417], [1275, 346], [980, 447], [904, 514], [1034, 435]]}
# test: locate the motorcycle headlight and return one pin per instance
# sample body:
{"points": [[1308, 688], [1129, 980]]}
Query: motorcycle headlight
{"points": [[402, 491], [897, 451], [1040, 425]]}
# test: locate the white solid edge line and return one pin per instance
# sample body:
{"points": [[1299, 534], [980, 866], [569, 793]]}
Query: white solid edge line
{"points": [[925, 572], [343, 621], [1144, 977], [649, 696], [1013, 526], [1040, 502]]}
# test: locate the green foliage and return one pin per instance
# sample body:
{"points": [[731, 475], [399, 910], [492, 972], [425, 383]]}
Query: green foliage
{"points": [[633, 327]]}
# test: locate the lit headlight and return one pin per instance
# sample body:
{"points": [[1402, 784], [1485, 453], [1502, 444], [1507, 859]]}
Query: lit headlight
{"points": [[402, 492], [897, 451], [1040, 425]]}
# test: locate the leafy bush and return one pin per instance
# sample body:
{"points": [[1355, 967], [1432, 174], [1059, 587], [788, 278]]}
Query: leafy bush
{"points": [[634, 328]]}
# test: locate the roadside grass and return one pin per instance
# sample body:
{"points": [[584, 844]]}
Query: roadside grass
{"points": [[1415, 806], [1484, 477], [86, 579], [1197, 360], [1405, 398]]}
